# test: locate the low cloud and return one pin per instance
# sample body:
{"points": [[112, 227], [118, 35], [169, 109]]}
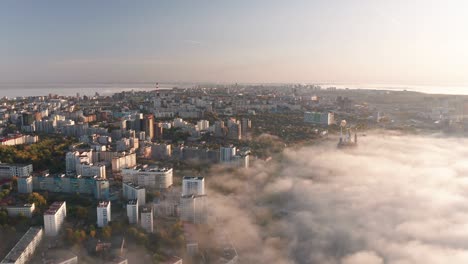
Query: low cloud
{"points": [[396, 199]]}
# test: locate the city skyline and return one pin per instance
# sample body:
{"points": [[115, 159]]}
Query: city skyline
{"points": [[396, 43]]}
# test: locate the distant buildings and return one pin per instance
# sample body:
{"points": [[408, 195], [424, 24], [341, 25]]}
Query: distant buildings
{"points": [[103, 213], [54, 218], [231, 157], [226, 154], [81, 163], [317, 118], [126, 160], [25, 248]]}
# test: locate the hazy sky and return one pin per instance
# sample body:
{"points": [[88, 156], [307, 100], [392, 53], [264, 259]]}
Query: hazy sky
{"points": [[361, 41]]}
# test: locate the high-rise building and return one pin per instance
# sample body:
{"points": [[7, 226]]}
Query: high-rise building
{"points": [[146, 219], [234, 130], [227, 153], [246, 125], [103, 213], [132, 191], [148, 126], [54, 218], [132, 211], [158, 131], [193, 208], [193, 186]]}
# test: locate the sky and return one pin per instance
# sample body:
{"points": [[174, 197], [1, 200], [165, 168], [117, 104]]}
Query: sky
{"points": [[409, 42]]}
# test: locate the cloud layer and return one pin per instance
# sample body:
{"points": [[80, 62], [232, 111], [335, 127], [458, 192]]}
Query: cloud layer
{"points": [[396, 199]]}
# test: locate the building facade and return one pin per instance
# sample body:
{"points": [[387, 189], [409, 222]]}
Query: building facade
{"points": [[54, 218], [103, 213]]}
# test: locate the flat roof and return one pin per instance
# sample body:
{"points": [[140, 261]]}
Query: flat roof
{"points": [[54, 207], [103, 203], [194, 177], [22, 244], [131, 184], [132, 202]]}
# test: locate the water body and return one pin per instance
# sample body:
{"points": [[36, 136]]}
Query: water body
{"points": [[453, 90], [20, 90]]}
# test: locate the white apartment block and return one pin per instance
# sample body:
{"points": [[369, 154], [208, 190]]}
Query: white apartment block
{"points": [[193, 186], [193, 208], [54, 218], [132, 191], [124, 161], [91, 170], [149, 177], [7, 171], [132, 211], [146, 219], [23, 251], [103, 213], [24, 209]]}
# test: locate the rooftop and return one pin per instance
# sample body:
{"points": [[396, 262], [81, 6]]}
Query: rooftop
{"points": [[147, 210], [22, 244], [141, 167], [132, 202], [54, 207], [131, 184], [103, 204], [193, 178]]}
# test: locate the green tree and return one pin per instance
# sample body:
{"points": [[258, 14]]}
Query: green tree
{"points": [[37, 199]]}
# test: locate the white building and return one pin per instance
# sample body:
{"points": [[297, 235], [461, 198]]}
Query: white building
{"points": [[132, 211], [7, 171], [146, 219], [103, 213], [23, 251], [124, 161], [90, 170], [54, 218], [72, 159], [193, 186], [203, 125], [193, 208], [132, 191], [25, 184], [24, 209], [149, 177]]}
